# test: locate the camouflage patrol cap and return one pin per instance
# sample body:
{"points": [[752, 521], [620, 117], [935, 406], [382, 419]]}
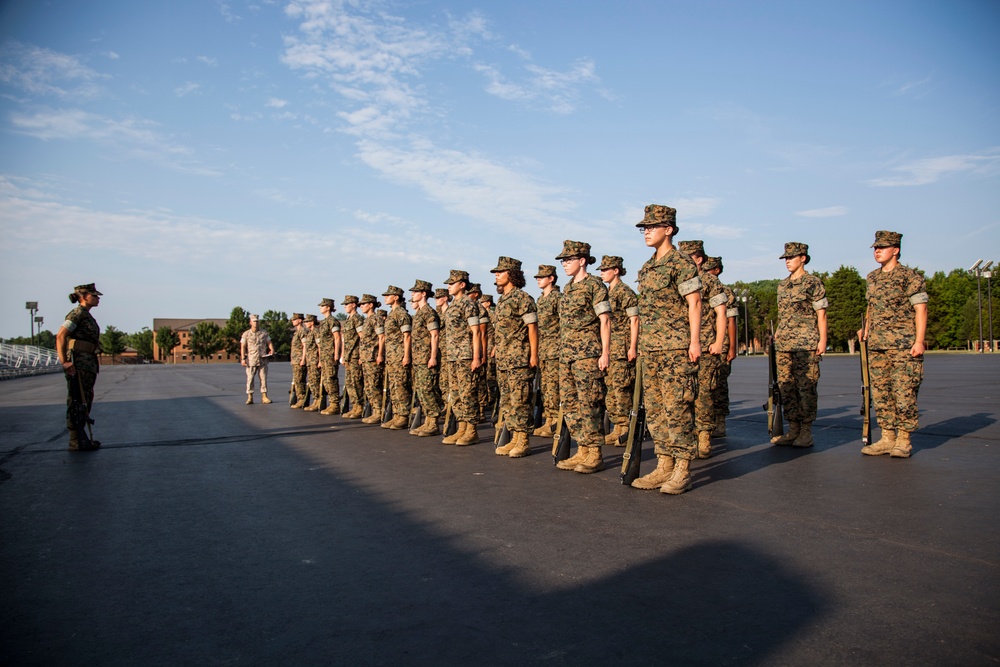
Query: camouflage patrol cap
{"points": [[507, 264], [349, 298], [392, 290], [612, 262], [793, 249], [886, 239], [658, 214], [326, 302], [310, 318], [422, 286], [457, 276], [475, 287], [297, 316], [441, 293], [575, 249], [692, 247], [486, 298], [89, 288], [255, 318], [368, 298], [545, 271], [712, 263]]}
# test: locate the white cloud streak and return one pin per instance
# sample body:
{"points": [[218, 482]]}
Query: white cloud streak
{"points": [[931, 170], [44, 72]]}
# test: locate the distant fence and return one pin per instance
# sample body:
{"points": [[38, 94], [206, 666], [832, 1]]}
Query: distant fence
{"points": [[21, 360]]}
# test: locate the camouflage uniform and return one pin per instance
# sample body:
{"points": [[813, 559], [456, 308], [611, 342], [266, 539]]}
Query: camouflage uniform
{"points": [[548, 346], [795, 342], [462, 313], [514, 311], [425, 380], [481, 374], [312, 360], [298, 370], [82, 327], [351, 341], [720, 398], [895, 374], [372, 370], [621, 372], [489, 368], [442, 373], [397, 323], [256, 343], [581, 381], [329, 364]]}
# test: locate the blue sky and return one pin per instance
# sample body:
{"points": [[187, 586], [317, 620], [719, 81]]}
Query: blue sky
{"points": [[191, 156]]}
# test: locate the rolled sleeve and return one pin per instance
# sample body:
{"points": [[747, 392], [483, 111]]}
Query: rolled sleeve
{"points": [[821, 304], [689, 286]]}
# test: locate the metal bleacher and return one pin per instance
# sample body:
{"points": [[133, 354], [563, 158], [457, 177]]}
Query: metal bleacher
{"points": [[21, 360]]}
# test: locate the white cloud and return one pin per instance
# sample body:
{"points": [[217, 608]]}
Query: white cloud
{"points": [[275, 103], [42, 71], [187, 88], [930, 170], [208, 60], [694, 207], [828, 212]]}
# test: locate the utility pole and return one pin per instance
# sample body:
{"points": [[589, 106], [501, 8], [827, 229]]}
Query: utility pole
{"points": [[975, 269], [33, 307]]}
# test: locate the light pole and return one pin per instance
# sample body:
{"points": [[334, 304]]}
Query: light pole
{"points": [[33, 307], [39, 320], [989, 300], [975, 269], [742, 295]]}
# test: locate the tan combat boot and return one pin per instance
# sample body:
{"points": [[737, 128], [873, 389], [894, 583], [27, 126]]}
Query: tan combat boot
{"points": [[398, 423], [805, 436], [430, 427], [521, 448], [453, 438], [720, 427], [614, 438], [249, 399], [469, 436], [789, 436], [884, 445], [298, 405], [505, 450], [331, 409], [74, 440], [592, 462], [264, 399], [312, 408], [680, 479], [545, 430], [704, 444], [902, 448], [657, 478], [354, 413], [374, 418], [572, 462]]}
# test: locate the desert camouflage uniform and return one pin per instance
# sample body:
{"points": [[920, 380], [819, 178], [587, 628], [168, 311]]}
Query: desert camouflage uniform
{"points": [[669, 378], [397, 323], [712, 296], [372, 370], [462, 314], [425, 380], [483, 372], [513, 313], [82, 326], [548, 352], [720, 398], [312, 362], [256, 343], [795, 342], [581, 381], [895, 374], [298, 370], [329, 365], [621, 372], [353, 376]]}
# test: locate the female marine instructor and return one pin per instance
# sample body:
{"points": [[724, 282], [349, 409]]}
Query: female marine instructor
{"points": [[78, 343]]}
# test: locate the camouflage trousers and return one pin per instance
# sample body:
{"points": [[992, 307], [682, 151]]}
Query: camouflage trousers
{"points": [[400, 389], [517, 398], [330, 380], [704, 405], [798, 379], [485, 389], [442, 381], [354, 382], [581, 389], [373, 385], [299, 381], [721, 397], [669, 385], [87, 380], [550, 389], [313, 378], [896, 378], [252, 372], [464, 395], [620, 381], [427, 389]]}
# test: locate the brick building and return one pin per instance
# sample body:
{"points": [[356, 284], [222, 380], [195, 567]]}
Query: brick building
{"points": [[181, 354]]}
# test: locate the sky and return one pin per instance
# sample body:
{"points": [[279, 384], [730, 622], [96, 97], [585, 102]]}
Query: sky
{"points": [[195, 155]]}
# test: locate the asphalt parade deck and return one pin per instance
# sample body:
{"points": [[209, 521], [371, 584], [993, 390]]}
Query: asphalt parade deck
{"points": [[209, 532]]}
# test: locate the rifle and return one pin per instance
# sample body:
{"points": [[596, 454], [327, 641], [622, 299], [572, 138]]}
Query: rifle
{"points": [[416, 413], [636, 431], [291, 393], [775, 427], [866, 388], [79, 416], [502, 435], [561, 442], [536, 387], [450, 423], [386, 398]]}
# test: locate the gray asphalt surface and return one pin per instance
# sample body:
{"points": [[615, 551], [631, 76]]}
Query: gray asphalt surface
{"points": [[207, 532]]}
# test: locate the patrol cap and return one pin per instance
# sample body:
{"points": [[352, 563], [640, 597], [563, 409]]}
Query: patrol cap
{"points": [[457, 276], [507, 264], [545, 270], [326, 302], [392, 290], [254, 318], [475, 287], [793, 249], [576, 249], [349, 298], [441, 293], [883, 239], [612, 262], [422, 286], [658, 214], [712, 263], [297, 316], [692, 247], [310, 318], [89, 288], [486, 298], [369, 298]]}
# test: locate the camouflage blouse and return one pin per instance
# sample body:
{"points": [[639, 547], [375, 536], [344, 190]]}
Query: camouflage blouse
{"points": [[368, 338], [296, 351], [548, 324], [324, 335], [311, 349], [397, 323], [425, 320], [798, 302], [511, 316], [580, 308], [82, 326], [462, 313], [712, 296], [663, 310], [892, 296], [731, 312], [624, 306], [351, 334]]}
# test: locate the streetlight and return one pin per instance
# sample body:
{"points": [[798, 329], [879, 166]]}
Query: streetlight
{"points": [[989, 300], [39, 320], [742, 296], [975, 269], [33, 307]]}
